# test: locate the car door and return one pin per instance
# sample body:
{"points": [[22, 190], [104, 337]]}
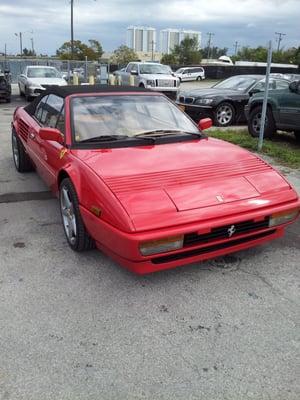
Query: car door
{"points": [[126, 75], [46, 153], [189, 75], [289, 108]]}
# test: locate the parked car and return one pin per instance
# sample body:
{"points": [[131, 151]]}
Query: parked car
{"points": [[225, 101], [154, 76], [36, 78], [190, 74], [283, 111], [137, 178], [5, 86]]}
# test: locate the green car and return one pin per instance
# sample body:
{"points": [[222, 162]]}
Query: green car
{"points": [[283, 111]]}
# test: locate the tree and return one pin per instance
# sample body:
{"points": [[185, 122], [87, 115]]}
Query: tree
{"points": [[28, 53], [187, 52], [169, 59], [81, 50], [123, 55], [259, 54]]}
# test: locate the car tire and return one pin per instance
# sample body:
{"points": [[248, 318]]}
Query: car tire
{"points": [[21, 159], [297, 135], [224, 114], [254, 122], [20, 92], [141, 85], [27, 96], [198, 78], [75, 231]]}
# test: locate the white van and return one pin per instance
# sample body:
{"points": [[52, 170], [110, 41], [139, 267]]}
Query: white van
{"points": [[190, 74]]}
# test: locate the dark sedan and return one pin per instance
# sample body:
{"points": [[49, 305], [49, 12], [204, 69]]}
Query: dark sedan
{"points": [[225, 101]]}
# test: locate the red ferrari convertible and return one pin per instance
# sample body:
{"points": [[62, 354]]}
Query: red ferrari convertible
{"points": [[138, 179]]}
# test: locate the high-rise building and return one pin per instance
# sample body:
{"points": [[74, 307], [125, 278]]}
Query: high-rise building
{"points": [[141, 38], [169, 38]]}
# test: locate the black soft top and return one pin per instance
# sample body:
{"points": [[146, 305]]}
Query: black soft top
{"points": [[64, 91]]}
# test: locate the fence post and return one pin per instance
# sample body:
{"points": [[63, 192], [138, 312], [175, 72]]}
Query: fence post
{"points": [[75, 78], [265, 101]]}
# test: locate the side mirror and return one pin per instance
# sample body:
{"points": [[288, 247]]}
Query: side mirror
{"points": [[134, 72], [51, 134], [253, 91], [294, 87], [204, 123]]}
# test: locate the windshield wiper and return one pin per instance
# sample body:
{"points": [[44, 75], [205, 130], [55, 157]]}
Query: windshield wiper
{"points": [[104, 138], [165, 132]]}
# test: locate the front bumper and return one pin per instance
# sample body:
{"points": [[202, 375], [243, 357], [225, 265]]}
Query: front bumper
{"points": [[124, 246], [4, 94], [197, 112]]}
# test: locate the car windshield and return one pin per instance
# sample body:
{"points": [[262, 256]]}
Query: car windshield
{"points": [[179, 71], [43, 73], [126, 115], [241, 83], [155, 69]]}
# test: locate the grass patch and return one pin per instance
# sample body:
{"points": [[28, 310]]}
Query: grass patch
{"points": [[283, 147]]}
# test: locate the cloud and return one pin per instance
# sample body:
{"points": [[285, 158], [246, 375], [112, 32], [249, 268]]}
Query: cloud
{"points": [[251, 22]]}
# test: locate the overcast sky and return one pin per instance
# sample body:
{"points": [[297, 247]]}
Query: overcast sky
{"points": [[250, 22]]}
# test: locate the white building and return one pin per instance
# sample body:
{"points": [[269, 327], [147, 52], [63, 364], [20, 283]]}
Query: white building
{"points": [[141, 38], [169, 38]]}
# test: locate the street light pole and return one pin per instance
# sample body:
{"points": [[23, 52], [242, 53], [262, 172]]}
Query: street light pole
{"points": [[210, 34], [20, 37], [72, 31]]}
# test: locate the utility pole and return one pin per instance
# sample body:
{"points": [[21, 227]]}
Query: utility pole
{"points": [[20, 37], [152, 49], [210, 34], [280, 35], [236, 46], [72, 31], [32, 45]]}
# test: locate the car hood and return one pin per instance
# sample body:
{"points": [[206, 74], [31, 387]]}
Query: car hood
{"points": [[169, 184], [158, 76], [211, 92], [48, 81]]}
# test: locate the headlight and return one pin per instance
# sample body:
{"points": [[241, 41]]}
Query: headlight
{"points": [[283, 217], [33, 85], [203, 101], [151, 82], [161, 245]]}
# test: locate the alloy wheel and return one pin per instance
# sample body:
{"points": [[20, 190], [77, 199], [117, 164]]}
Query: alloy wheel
{"points": [[224, 114], [68, 215]]}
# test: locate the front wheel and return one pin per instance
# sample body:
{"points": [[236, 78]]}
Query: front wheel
{"points": [[255, 122], [224, 114], [76, 234], [20, 91], [21, 158]]}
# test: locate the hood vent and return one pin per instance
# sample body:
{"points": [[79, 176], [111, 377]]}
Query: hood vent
{"points": [[187, 176]]}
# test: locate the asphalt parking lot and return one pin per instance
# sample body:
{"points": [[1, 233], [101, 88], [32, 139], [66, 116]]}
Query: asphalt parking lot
{"points": [[78, 326]]}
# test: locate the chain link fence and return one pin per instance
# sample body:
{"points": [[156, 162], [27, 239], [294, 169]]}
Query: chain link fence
{"points": [[83, 69]]}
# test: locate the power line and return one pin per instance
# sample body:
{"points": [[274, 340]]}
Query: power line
{"points": [[210, 35], [280, 35]]}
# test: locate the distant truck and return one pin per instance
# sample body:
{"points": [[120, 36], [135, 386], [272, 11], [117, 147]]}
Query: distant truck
{"points": [[152, 76]]}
